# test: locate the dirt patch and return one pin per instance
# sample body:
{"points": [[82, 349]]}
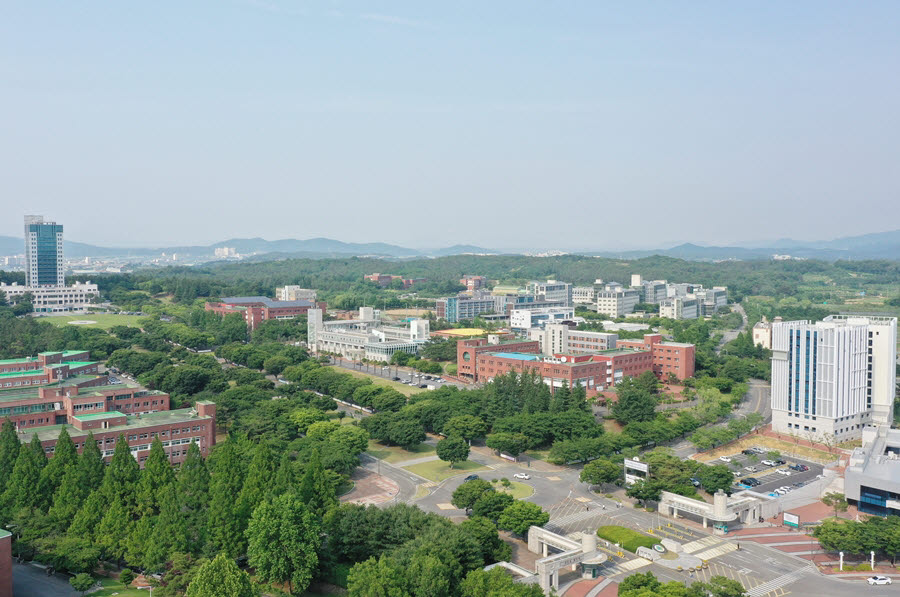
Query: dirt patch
{"points": [[767, 442]]}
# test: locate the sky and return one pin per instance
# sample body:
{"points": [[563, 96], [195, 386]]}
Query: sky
{"points": [[521, 124]]}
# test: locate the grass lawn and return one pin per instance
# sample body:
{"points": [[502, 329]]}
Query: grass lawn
{"points": [[395, 454], [421, 491], [438, 470], [517, 490], [113, 587], [101, 320], [538, 454], [380, 381], [627, 538]]}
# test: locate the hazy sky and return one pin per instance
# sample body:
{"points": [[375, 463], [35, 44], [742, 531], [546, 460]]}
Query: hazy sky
{"points": [[505, 124]]}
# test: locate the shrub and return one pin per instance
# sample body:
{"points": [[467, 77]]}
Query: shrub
{"points": [[627, 538]]}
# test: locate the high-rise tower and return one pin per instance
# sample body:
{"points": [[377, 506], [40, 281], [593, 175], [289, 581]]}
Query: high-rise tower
{"points": [[43, 253]]}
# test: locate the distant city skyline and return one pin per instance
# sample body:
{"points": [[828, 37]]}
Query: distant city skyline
{"points": [[503, 125]]}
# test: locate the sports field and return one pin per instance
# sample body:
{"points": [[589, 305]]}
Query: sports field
{"points": [[93, 320]]}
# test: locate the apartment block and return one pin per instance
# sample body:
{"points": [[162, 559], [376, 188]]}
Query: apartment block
{"points": [[832, 378]]}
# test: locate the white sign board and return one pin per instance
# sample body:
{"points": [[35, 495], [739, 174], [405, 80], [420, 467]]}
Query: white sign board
{"points": [[635, 470], [791, 520]]}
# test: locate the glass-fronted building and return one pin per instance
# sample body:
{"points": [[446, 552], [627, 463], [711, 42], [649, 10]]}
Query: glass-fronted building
{"points": [[43, 253]]}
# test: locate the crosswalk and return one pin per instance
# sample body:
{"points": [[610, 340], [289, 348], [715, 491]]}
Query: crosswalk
{"points": [[700, 544], [718, 550], [778, 582]]}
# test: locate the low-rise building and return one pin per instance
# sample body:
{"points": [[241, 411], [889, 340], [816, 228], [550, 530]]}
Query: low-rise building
{"points": [[872, 477], [522, 320], [295, 293], [676, 358], [762, 332], [680, 307], [467, 352], [385, 280], [256, 309], [557, 338], [54, 299], [586, 295], [616, 301], [6, 580], [473, 283], [366, 337], [46, 368], [463, 308]]}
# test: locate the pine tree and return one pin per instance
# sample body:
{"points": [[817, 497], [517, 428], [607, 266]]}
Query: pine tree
{"points": [[285, 476], [9, 451], [64, 458], [578, 399], [114, 529], [257, 483], [91, 466], [139, 541], [85, 523], [192, 494], [22, 490], [157, 473], [169, 533], [560, 401], [315, 490], [68, 498], [224, 530], [40, 457], [121, 476]]}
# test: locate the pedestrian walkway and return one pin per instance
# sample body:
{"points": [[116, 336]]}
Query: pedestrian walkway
{"points": [[700, 544], [779, 582]]}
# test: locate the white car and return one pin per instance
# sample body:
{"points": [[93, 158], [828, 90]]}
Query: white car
{"points": [[768, 462], [783, 471], [752, 469], [725, 458], [521, 476], [878, 580]]}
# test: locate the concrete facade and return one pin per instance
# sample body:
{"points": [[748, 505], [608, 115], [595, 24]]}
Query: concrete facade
{"points": [[872, 477], [366, 337], [561, 338], [616, 301], [680, 307]]}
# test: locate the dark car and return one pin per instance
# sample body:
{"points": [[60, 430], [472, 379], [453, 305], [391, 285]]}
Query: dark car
{"points": [[395, 378], [779, 462], [470, 478], [748, 452], [750, 481]]}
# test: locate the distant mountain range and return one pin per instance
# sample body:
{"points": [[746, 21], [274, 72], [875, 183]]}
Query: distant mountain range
{"points": [[880, 245]]}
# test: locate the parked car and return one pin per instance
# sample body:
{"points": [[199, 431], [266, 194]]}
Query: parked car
{"points": [[725, 458], [779, 462], [795, 467], [395, 378], [781, 491], [748, 452], [783, 471], [522, 476], [752, 469], [878, 580], [768, 462], [695, 482], [736, 473], [750, 482], [471, 478]]}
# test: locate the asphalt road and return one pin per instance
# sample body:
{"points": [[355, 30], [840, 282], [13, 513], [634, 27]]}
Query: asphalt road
{"points": [[29, 581], [732, 334]]}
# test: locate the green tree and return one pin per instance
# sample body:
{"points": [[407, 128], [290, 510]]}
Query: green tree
{"points": [[192, 495], [315, 491], [715, 477], [468, 427], [453, 449], [633, 403], [512, 444], [484, 532], [122, 476], [156, 474], [89, 516], [170, 533], [91, 465], [221, 577], [285, 477], [835, 500], [496, 583], [126, 576], [644, 490], [9, 451], [114, 529], [601, 471], [519, 516], [465, 496], [23, 489], [64, 457], [282, 539], [224, 531], [720, 586], [82, 582], [381, 577], [492, 504], [406, 433], [257, 482]]}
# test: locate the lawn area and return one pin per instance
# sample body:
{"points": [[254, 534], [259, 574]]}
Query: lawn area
{"points": [[627, 538], [380, 381], [538, 454], [100, 320], [516, 489], [438, 470], [113, 587], [395, 454]]}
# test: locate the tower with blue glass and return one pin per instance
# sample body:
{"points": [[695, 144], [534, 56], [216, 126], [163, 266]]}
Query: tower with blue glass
{"points": [[43, 253]]}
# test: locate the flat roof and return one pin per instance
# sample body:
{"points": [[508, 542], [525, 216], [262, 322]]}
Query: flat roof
{"points": [[93, 416], [164, 417], [4, 534], [22, 373], [270, 303], [520, 356], [461, 332], [28, 392]]}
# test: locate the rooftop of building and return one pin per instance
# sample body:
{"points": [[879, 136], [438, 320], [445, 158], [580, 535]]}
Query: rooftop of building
{"points": [[99, 416], [31, 392], [617, 352], [519, 356], [166, 417], [4, 534], [461, 332], [266, 301], [26, 360]]}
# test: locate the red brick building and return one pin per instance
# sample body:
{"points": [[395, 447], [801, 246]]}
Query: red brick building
{"points": [[176, 429], [46, 368], [473, 282], [6, 586], [467, 352], [385, 280], [668, 357], [257, 309]]}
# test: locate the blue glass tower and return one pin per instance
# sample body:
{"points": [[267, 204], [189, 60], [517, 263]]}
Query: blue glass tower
{"points": [[43, 253]]}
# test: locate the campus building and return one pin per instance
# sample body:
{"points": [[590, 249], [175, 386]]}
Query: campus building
{"points": [[47, 367], [385, 280], [652, 291], [615, 300], [675, 358], [762, 332], [831, 378], [295, 293], [462, 307], [557, 338], [872, 477], [523, 320], [680, 307], [366, 337], [467, 352], [711, 299], [45, 272], [473, 283], [6, 580], [586, 295], [256, 309], [552, 290]]}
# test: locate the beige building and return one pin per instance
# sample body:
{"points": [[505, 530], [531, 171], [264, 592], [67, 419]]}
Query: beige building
{"points": [[294, 293]]}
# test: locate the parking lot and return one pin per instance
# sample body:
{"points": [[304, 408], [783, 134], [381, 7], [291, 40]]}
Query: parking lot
{"points": [[769, 479]]}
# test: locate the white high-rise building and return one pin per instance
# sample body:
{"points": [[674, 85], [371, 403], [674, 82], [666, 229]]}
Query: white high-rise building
{"points": [[43, 253], [833, 377]]}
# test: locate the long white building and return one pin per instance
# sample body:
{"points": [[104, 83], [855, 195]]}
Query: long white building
{"points": [[832, 378], [364, 338], [556, 338]]}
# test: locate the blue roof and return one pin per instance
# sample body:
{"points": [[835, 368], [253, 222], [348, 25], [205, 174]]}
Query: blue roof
{"points": [[248, 300], [522, 356]]}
